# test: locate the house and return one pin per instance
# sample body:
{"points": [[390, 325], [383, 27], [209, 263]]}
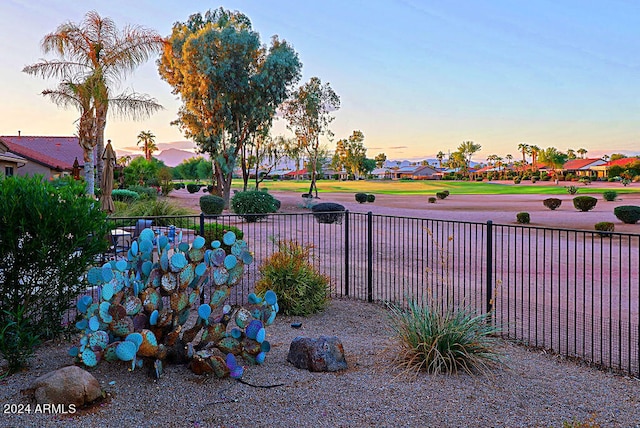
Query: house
{"points": [[51, 157], [415, 172], [9, 162], [382, 173], [602, 170], [300, 174], [582, 167]]}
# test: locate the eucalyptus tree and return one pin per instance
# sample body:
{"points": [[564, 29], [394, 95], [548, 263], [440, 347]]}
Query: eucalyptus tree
{"points": [[380, 159], [355, 153], [148, 141], [229, 83], [309, 113], [95, 49]]}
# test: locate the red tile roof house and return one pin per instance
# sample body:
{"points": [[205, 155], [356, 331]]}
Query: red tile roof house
{"points": [[9, 162], [582, 167], [602, 170], [51, 157]]}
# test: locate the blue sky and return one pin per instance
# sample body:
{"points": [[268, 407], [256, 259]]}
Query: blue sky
{"points": [[416, 77]]}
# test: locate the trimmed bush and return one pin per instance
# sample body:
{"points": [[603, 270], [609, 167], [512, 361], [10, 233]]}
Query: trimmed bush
{"points": [[178, 186], [432, 200], [193, 188], [629, 214], [361, 198], [584, 203], [605, 226], [124, 195], [446, 192], [211, 204], [436, 340], [523, 218], [290, 273], [371, 198], [328, 212], [441, 195], [552, 203], [253, 205], [517, 180], [610, 195]]}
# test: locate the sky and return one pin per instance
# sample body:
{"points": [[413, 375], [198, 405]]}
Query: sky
{"points": [[416, 77]]}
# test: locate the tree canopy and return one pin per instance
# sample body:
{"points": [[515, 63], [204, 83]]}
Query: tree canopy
{"points": [[229, 83]]}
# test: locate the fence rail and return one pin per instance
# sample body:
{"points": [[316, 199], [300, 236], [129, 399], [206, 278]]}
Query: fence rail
{"points": [[574, 292]]}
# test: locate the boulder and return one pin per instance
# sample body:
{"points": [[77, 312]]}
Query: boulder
{"points": [[324, 354], [68, 385]]}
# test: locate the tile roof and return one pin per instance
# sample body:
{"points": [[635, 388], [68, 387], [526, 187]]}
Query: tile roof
{"points": [[54, 152], [621, 162], [574, 164]]}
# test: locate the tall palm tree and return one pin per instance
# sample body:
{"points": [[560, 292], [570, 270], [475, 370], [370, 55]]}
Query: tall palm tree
{"points": [[440, 156], [534, 150], [148, 141], [582, 152], [571, 154], [524, 148], [96, 49], [509, 158]]}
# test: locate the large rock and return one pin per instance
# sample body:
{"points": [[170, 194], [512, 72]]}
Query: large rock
{"points": [[68, 385], [324, 354]]}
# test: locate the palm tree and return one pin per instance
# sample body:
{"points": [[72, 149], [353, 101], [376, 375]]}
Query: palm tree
{"points": [[80, 95], [96, 49], [534, 150], [440, 156], [524, 148], [509, 158], [571, 154], [148, 141], [605, 158], [582, 152]]}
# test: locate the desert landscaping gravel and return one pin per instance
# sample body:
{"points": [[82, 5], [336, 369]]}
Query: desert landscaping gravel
{"points": [[535, 389]]}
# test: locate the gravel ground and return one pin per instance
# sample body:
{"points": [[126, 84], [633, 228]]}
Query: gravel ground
{"points": [[535, 390]]}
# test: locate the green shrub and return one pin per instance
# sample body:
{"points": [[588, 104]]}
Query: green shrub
{"points": [[552, 203], [437, 340], [328, 212], [534, 179], [48, 237], [193, 188], [158, 208], [371, 198], [523, 218], [18, 339], [211, 204], [178, 186], [517, 181], [432, 200], [215, 232], [253, 205], [629, 214], [441, 195], [584, 203], [572, 190], [144, 191], [290, 273], [361, 198], [125, 195], [610, 195], [605, 226], [446, 192]]}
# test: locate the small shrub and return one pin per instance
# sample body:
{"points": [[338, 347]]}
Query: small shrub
{"points": [[361, 198], [177, 186], [253, 205], [584, 203], [432, 200], [552, 203], [586, 181], [605, 226], [211, 204], [572, 190], [145, 192], [371, 198], [441, 195], [124, 195], [290, 273], [436, 340], [523, 218], [18, 339], [328, 212], [610, 195], [446, 192], [193, 188], [534, 179], [629, 214], [517, 180]]}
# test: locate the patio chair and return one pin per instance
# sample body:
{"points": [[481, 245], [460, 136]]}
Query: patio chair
{"points": [[141, 224]]}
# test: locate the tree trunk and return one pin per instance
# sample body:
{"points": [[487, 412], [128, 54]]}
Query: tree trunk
{"points": [[245, 169], [101, 123], [226, 190], [89, 173]]}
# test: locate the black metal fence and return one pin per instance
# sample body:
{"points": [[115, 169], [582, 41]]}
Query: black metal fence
{"points": [[574, 292]]}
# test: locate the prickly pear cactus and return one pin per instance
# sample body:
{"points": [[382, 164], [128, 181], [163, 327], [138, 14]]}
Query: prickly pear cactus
{"points": [[144, 306]]}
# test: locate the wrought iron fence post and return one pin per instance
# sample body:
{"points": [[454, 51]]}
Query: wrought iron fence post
{"points": [[346, 253], [201, 224], [370, 257], [489, 268]]}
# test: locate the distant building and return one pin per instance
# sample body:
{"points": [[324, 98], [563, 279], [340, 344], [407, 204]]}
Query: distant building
{"points": [[9, 162], [51, 157], [582, 167]]}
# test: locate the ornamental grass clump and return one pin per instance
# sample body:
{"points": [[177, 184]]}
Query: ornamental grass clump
{"points": [[436, 340], [290, 273]]}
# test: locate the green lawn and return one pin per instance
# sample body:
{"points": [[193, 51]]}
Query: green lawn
{"points": [[430, 187]]}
